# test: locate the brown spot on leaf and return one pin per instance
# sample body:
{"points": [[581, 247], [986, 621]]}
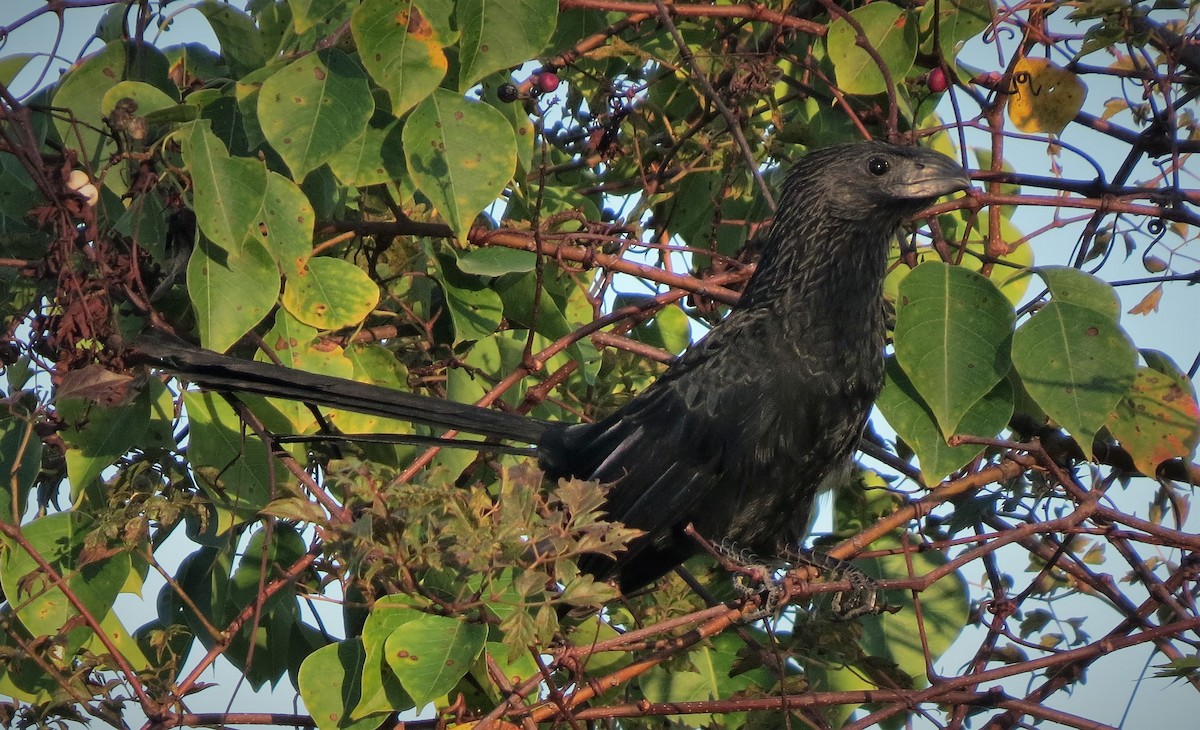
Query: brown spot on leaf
{"points": [[418, 27], [319, 73], [1092, 331], [458, 116]]}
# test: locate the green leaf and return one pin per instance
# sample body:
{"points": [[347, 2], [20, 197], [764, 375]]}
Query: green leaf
{"points": [[913, 421], [329, 682], [376, 365], [475, 308], [230, 465], [231, 292], [401, 46], [1077, 363], [288, 220], [520, 666], [381, 691], [1077, 287], [374, 157], [20, 462], [83, 88], [957, 21], [196, 63], [303, 17], [22, 678], [42, 607], [562, 308], [314, 107], [496, 261], [1010, 277], [461, 155], [904, 637], [429, 655], [690, 209], [12, 65], [890, 30], [241, 42], [147, 98], [329, 293], [497, 35], [952, 338], [246, 94], [670, 329], [99, 435], [292, 342], [708, 679], [228, 192], [17, 195]]}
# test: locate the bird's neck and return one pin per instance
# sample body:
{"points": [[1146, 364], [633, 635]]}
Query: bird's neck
{"points": [[822, 269]]}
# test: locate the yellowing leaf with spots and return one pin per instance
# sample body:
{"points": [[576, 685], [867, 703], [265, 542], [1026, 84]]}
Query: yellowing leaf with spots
{"points": [[431, 654], [460, 153], [401, 47], [330, 293], [1045, 97], [313, 107], [1158, 419]]}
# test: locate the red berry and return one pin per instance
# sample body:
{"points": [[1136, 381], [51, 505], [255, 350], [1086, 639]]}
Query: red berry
{"points": [[937, 81], [546, 81]]}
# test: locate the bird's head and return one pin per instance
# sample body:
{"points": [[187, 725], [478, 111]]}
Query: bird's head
{"points": [[872, 180]]}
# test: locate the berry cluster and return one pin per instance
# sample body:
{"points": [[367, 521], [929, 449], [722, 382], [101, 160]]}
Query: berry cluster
{"points": [[542, 82]]}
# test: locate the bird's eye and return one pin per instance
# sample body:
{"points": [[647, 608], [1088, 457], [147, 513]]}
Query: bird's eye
{"points": [[878, 166]]}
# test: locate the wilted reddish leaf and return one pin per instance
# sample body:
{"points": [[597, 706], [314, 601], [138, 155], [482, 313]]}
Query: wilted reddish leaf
{"points": [[1157, 420]]}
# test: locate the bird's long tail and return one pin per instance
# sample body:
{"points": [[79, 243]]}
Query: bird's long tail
{"points": [[230, 374]]}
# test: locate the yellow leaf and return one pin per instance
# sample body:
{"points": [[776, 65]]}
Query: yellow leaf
{"points": [[1045, 96], [1149, 302]]}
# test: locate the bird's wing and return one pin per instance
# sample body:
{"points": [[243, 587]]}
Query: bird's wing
{"points": [[667, 454]]}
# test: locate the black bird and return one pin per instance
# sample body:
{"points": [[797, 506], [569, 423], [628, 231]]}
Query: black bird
{"points": [[742, 432]]}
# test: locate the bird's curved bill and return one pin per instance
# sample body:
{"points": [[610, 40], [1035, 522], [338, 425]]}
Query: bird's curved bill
{"points": [[935, 176]]}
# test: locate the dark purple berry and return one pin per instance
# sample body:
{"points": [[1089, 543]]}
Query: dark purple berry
{"points": [[507, 93]]}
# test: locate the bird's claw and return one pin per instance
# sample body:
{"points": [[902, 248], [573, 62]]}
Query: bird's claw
{"points": [[752, 577], [863, 597], [861, 600]]}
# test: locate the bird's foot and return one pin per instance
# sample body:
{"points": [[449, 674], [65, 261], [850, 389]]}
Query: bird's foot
{"points": [[862, 599], [752, 576]]}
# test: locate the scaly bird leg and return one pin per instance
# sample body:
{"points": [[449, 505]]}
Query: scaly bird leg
{"points": [[863, 597]]}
